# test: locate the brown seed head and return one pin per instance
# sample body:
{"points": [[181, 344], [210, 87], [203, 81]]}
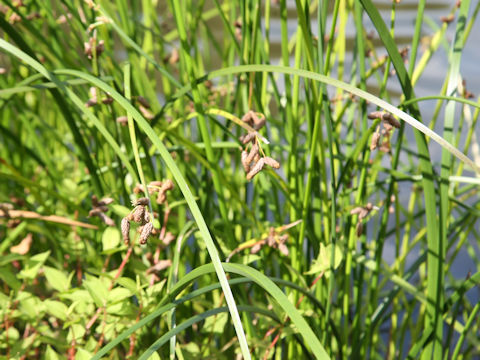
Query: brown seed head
{"points": [[167, 185], [161, 197], [245, 162], [252, 153], [283, 249], [141, 201], [125, 227], [143, 101], [122, 120], [107, 220], [256, 169], [247, 138], [139, 214], [145, 112], [146, 217], [256, 248], [375, 115], [146, 231], [359, 229], [159, 266], [169, 237], [375, 140], [388, 118], [271, 162], [105, 201]]}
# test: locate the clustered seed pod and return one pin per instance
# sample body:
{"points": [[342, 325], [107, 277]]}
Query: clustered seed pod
{"points": [[122, 120], [159, 266], [92, 42], [125, 227], [362, 212], [273, 240], [147, 114], [160, 187], [99, 208], [388, 122], [146, 231], [139, 214], [255, 120], [256, 169], [141, 201]]}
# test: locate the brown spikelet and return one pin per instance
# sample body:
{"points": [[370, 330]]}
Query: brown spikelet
{"points": [[258, 121], [447, 19], [146, 217], [375, 140], [359, 229], [147, 114], [105, 201], [169, 237], [155, 183], [159, 266], [245, 162], [251, 154], [122, 120], [247, 138], [283, 249], [256, 248], [143, 101], [271, 162], [271, 237], [248, 117], [141, 201], [388, 118], [161, 197], [24, 246], [146, 231], [375, 115], [256, 169], [107, 220], [125, 227], [167, 185], [139, 214]]}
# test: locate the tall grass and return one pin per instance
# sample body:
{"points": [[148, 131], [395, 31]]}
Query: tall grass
{"points": [[348, 250]]}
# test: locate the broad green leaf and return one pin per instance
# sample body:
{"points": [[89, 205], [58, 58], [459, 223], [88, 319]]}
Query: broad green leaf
{"points": [[31, 267], [216, 324], [97, 290], [128, 283], [31, 306], [118, 294], [110, 238], [322, 262], [56, 278], [9, 278], [75, 331], [56, 308], [50, 354], [83, 354], [154, 356]]}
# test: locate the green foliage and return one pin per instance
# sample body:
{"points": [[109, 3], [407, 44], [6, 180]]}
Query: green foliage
{"points": [[285, 222]]}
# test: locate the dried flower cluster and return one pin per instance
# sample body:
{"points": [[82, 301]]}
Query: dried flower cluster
{"points": [[92, 44], [141, 216], [274, 240], [389, 122], [252, 161], [99, 208], [159, 187], [362, 212], [94, 99], [144, 107]]}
